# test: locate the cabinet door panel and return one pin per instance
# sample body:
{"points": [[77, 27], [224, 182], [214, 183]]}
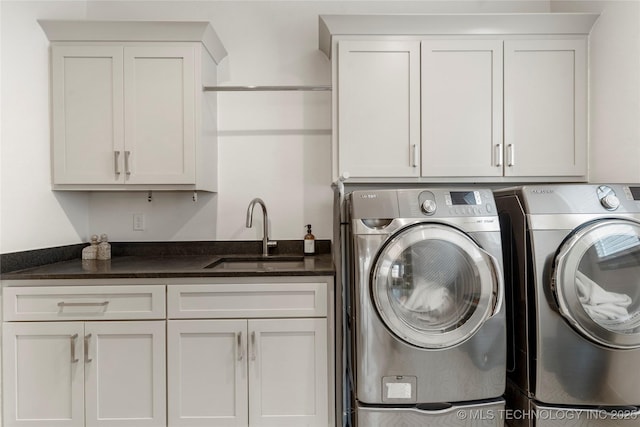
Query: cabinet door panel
{"points": [[88, 139], [288, 372], [207, 373], [379, 108], [125, 374], [43, 375], [545, 108], [160, 115], [461, 108]]}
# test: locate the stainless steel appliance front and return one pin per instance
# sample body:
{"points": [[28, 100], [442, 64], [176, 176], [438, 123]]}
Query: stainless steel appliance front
{"points": [[574, 251], [427, 317]]}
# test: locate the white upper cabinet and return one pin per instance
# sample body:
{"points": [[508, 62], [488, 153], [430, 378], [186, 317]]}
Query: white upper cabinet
{"points": [[379, 108], [159, 110], [422, 98], [133, 114], [461, 108], [88, 114], [545, 98]]}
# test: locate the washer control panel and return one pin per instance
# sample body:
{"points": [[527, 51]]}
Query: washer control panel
{"points": [[429, 206], [608, 198], [446, 203]]}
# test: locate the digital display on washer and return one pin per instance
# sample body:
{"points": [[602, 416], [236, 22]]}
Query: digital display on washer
{"points": [[635, 192], [463, 198]]}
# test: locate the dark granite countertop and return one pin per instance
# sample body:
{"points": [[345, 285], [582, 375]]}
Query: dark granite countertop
{"points": [[139, 261]]}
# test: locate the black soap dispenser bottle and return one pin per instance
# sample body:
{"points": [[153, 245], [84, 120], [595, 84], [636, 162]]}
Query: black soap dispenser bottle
{"points": [[309, 242]]}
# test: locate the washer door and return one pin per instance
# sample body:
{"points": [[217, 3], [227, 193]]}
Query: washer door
{"points": [[434, 287], [596, 282]]}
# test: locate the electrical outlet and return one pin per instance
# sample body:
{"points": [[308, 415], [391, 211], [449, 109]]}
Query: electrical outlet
{"points": [[138, 222]]}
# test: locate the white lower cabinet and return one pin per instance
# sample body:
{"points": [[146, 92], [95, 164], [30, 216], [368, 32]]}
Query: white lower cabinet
{"points": [[258, 372], [76, 356], [244, 366], [229, 352], [74, 374]]}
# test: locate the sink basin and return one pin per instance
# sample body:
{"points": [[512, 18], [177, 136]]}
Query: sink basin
{"points": [[257, 263]]}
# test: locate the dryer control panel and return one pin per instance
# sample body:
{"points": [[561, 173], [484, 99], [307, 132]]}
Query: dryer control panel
{"points": [[436, 202]]}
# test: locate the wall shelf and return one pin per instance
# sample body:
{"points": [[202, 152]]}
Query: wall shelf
{"points": [[320, 88]]}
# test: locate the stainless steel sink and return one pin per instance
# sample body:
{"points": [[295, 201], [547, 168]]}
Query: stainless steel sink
{"points": [[257, 263]]}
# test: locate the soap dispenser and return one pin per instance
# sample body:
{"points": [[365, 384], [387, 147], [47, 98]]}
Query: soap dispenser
{"points": [[309, 242]]}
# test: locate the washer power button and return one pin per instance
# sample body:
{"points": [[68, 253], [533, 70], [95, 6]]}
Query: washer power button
{"points": [[429, 206]]}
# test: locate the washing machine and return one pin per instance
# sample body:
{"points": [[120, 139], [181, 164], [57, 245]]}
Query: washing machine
{"points": [[426, 320], [572, 268]]}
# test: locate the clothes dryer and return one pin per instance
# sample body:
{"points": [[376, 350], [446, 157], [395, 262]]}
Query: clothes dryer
{"points": [[426, 315], [572, 266]]}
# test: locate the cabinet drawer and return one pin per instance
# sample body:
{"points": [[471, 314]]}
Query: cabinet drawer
{"points": [[247, 300], [83, 302]]}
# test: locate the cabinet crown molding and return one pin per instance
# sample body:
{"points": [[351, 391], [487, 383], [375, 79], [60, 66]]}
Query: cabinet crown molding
{"points": [[451, 24], [136, 31]]}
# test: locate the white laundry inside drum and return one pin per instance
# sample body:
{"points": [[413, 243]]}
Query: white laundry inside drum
{"points": [[441, 292], [607, 308], [430, 301]]}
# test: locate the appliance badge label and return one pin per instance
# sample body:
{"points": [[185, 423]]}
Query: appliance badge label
{"points": [[542, 191], [369, 196]]}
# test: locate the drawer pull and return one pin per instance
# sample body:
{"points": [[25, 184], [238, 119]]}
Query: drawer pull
{"points": [[63, 304], [73, 348], [86, 348]]}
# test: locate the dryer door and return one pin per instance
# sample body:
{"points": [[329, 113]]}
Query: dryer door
{"points": [[434, 287], [596, 282]]}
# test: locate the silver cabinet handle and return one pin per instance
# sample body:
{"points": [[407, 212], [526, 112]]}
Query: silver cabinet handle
{"points": [[86, 348], [511, 155], [63, 304], [116, 162], [499, 155], [415, 156], [253, 345], [73, 348], [240, 350], [127, 170]]}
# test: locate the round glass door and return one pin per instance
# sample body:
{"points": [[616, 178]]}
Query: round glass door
{"points": [[596, 280], [433, 286]]}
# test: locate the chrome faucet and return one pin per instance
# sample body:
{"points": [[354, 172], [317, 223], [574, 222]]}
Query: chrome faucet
{"points": [[266, 243]]}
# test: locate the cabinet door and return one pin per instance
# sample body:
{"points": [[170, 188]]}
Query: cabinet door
{"points": [[545, 107], [378, 103], [461, 108], [125, 374], [207, 373], [288, 373], [159, 108], [43, 374], [87, 114]]}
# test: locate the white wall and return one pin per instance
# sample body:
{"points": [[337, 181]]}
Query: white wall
{"points": [[614, 88], [31, 216], [272, 145]]}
